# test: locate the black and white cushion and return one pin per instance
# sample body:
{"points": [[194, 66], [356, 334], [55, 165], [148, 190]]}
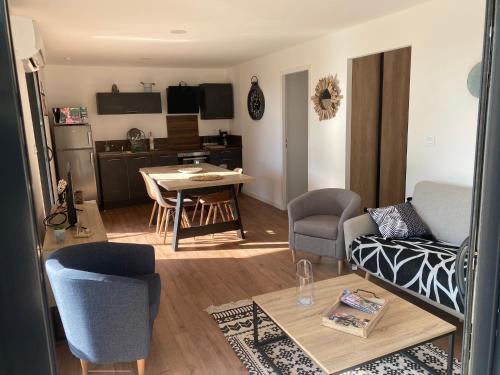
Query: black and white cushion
{"points": [[399, 221], [424, 266]]}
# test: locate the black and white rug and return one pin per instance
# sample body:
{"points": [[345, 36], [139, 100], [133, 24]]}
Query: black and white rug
{"points": [[235, 321]]}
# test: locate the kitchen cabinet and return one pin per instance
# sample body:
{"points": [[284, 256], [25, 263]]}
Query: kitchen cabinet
{"points": [[128, 103], [159, 160], [121, 181], [114, 181], [137, 187], [229, 158]]}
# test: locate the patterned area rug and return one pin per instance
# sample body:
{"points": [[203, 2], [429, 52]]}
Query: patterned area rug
{"points": [[235, 321]]}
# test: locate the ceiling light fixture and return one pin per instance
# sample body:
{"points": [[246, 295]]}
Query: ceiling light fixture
{"points": [[178, 31], [67, 58]]}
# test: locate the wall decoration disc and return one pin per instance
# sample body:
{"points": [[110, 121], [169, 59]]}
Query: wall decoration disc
{"points": [[326, 98], [255, 100]]}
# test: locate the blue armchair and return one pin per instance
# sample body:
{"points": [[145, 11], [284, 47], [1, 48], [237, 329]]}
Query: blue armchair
{"points": [[108, 296]]}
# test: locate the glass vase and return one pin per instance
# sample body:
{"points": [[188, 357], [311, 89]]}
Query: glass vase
{"points": [[305, 283]]}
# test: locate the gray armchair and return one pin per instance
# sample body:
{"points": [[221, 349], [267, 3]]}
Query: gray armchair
{"points": [[108, 296], [316, 220]]}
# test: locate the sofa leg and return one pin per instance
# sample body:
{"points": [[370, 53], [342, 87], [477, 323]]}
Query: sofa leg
{"points": [[141, 366], [340, 266], [367, 276], [293, 255], [85, 366]]}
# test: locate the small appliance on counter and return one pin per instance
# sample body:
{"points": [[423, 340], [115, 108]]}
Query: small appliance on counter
{"points": [[70, 115], [137, 140], [223, 137]]}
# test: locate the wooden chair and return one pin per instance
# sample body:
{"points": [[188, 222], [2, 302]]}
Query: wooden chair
{"points": [[217, 203], [166, 207]]}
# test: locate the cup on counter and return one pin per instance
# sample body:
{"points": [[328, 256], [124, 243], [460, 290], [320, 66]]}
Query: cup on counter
{"points": [[60, 234]]}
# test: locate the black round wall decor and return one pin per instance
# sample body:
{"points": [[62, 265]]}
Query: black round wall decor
{"points": [[255, 100]]}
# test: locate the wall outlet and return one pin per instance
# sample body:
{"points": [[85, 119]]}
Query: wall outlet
{"points": [[430, 141]]}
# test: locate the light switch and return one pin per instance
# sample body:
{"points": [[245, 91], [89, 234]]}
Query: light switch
{"points": [[430, 141]]}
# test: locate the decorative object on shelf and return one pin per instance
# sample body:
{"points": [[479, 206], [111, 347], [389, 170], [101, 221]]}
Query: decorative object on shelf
{"points": [[114, 89], [148, 86], [255, 101], [474, 80], [136, 138], [327, 97], [305, 283]]}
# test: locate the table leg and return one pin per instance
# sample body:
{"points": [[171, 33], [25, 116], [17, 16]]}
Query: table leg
{"points": [[179, 207], [236, 212]]}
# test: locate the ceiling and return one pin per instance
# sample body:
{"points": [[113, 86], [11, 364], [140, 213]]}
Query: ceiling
{"points": [[220, 33]]}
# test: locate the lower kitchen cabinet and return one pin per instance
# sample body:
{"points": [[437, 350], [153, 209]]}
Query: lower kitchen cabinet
{"points": [[122, 183], [136, 184], [114, 181], [229, 158]]}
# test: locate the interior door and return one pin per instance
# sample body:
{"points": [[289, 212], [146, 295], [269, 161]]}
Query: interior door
{"points": [[296, 125], [365, 119], [394, 126]]}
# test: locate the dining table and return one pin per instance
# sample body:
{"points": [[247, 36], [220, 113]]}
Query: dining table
{"points": [[209, 179]]}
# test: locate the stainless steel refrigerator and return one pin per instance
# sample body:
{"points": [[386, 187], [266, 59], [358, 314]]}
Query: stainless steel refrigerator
{"points": [[74, 144]]}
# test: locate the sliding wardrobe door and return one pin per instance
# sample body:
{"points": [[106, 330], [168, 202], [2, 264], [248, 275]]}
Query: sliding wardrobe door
{"points": [[365, 118], [394, 126]]}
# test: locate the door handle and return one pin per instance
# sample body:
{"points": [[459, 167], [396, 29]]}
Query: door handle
{"points": [[140, 157], [110, 160], [92, 160], [89, 138]]}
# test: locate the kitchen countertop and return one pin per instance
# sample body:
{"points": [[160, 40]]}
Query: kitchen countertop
{"points": [[127, 153]]}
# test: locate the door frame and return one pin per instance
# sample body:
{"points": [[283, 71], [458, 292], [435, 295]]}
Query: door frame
{"points": [[284, 132], [25, 320]]}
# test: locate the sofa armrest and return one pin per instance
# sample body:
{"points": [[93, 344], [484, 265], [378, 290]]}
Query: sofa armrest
{"points": [[358, 226]]}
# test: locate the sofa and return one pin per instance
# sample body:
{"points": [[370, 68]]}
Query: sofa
{"points": [[424, 267]]}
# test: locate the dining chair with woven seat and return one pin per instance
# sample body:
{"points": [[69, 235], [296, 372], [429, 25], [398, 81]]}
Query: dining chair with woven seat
{"points": [[217, 203]]}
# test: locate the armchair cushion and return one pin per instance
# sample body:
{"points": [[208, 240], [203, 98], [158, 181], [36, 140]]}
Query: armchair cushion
{"points": [[322, 226], [154, 290]]}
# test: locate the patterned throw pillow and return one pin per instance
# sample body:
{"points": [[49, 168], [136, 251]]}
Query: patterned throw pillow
{"points": [[399, 222]]}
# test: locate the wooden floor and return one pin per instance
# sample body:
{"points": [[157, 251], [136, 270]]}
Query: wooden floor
{"points": [[207, 271]]}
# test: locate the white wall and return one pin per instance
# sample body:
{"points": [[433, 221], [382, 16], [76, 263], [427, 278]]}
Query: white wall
{"points": [[68, 85], [446, 40]]}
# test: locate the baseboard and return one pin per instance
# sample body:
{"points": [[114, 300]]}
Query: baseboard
{"points": [[265, 200]]}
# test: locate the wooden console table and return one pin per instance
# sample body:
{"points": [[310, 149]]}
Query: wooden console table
{"points": [[89, 217]]}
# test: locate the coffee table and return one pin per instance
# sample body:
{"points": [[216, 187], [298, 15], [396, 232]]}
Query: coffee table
{"points": [[403, 326]]}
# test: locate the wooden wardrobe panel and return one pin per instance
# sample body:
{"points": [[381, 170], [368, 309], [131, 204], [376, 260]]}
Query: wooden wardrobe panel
{"points": [[365, 118], [394, 126]]}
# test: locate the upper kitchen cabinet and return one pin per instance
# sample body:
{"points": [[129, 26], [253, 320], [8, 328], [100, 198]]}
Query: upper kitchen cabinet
{"points": [[128, 103], [216, 101]]}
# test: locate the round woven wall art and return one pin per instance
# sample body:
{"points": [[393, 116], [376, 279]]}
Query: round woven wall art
{"points": [[326, 98]]}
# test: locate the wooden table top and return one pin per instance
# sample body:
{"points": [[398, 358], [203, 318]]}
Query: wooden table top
{"points": [[402, 326], [171, 179], [89, 217]]}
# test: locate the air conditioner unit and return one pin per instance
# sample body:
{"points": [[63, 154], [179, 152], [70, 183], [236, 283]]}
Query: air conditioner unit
{"points": [[28, 43]]}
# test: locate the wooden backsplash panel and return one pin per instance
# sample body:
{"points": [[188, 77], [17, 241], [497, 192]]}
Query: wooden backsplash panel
{"points": [[183, 132]]}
